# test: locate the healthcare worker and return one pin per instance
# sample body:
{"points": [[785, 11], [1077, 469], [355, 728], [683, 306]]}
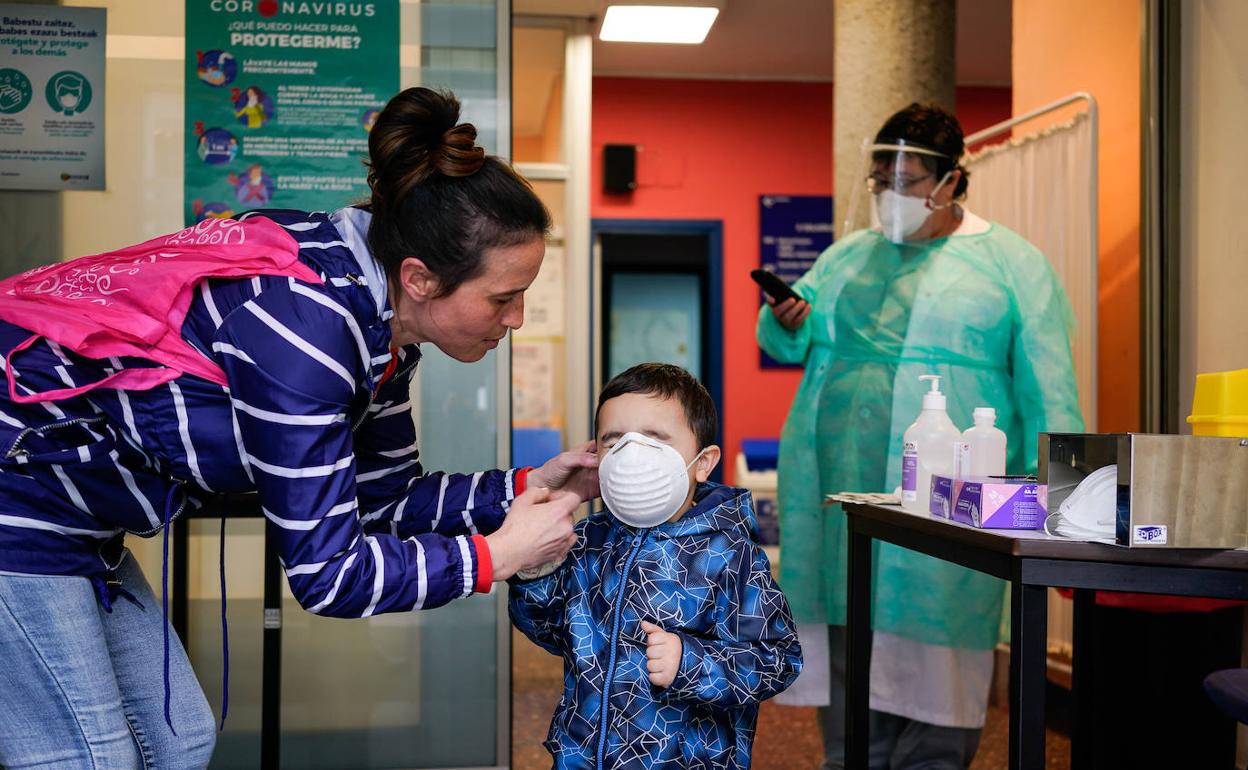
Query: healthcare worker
{"points": [[929, 289], [137, 388]]}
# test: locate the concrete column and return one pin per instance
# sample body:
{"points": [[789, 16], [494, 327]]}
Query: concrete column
{"points": [[889, 53]]}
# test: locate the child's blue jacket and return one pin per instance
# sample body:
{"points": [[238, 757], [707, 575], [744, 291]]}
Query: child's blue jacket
{"points": [[704, 577]]}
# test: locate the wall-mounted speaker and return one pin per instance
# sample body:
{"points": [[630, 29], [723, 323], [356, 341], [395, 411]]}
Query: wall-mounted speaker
{"points": [[619, 162]]}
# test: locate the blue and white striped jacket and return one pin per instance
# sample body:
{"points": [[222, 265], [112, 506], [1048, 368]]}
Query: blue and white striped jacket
{"points": [[703, 577], [308, 421]]}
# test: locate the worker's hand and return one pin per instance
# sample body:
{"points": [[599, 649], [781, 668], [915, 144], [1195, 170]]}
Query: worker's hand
{"points": [[536, 531], [791, 313], [576, 470], [662, 654]]}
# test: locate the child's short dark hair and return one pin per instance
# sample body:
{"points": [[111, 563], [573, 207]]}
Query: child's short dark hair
{"points": [[668, 381]]}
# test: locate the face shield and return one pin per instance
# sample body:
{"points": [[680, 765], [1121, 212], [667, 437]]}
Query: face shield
{"points": [[900, 186]]}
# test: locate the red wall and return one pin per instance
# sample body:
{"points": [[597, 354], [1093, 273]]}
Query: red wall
{"points": [[707, 150]]}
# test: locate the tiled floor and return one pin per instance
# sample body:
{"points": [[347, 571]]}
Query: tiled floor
{"points": [[788, 738]]}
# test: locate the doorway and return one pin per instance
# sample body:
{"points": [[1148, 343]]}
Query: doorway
{"points": [[659, 298]]}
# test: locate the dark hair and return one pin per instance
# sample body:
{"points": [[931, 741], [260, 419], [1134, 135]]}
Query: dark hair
{"points": [[932, 127], [437, 196], [668, 381]]}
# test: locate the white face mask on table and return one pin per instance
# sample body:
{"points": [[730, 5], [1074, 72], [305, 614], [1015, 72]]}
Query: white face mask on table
{"points": [[1091, 511]]}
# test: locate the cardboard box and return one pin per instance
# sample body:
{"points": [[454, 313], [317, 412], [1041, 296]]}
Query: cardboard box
{"points": [[990, 503]]}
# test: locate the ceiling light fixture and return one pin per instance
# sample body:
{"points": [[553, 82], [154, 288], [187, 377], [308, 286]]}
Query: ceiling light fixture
{"points": [[687, 23]]}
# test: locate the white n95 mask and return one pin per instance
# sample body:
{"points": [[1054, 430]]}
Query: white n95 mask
{"points": [[643, 481], [1091, 511]]}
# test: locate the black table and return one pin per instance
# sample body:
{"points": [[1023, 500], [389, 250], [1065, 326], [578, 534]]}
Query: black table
{"points": [[1032, 562]]}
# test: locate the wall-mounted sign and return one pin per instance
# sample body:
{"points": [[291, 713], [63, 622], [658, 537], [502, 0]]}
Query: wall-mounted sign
{"points": [[793, 231], [280, 97], [51, 97]]}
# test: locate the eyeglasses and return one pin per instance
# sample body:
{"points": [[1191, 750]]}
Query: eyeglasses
{"points": [[878, 184]]}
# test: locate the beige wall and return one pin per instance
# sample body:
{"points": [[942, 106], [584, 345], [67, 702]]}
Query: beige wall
{"points": [[143, 132], [1214, 243], [1063, 46]]}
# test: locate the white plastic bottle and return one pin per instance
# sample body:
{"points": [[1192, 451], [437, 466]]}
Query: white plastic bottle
{"points": [[928, 449], [986, 444]]}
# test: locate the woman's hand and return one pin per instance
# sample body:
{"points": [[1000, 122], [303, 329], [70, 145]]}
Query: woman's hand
{"points": [[791, 313], [576, 471], [536, 531]]}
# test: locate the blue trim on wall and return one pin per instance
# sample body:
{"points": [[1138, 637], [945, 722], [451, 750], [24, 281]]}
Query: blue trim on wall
{"points": [[713, 229]]}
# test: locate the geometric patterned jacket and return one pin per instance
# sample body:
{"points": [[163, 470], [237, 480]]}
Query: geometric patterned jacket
{"points": [[704, 577]]}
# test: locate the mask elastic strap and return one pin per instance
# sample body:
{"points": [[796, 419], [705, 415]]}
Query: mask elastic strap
{"points": [[695, 459], [932, 206]]}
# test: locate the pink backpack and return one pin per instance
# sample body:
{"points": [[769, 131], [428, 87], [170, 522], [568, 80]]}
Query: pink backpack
{"points": [[132, 302]]}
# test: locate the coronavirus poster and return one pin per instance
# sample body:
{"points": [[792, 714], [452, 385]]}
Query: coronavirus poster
{"points": [[51, 98], [280, 97]]}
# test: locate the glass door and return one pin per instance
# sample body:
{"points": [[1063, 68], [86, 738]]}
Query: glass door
{"points": [[420, 690]]}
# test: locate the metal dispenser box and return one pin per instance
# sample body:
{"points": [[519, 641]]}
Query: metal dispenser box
{"points": [[1173, 491]]}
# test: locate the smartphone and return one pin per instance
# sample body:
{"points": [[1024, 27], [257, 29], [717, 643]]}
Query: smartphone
{"points": [[774, 285]]}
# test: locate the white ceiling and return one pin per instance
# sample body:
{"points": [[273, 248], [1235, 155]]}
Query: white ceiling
{"points": [[782, 40]]}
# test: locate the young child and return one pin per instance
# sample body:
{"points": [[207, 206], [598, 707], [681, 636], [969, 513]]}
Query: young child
{"points": [[666, 603]]}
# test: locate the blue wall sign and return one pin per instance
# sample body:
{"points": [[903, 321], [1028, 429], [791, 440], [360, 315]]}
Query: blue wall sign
{"points": [[793, 231]]}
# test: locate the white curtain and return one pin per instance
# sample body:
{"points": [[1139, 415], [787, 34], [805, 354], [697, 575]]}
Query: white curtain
{"points": [[1042, 186]]}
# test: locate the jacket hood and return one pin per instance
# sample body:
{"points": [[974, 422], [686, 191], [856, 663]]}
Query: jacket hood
{"points": [[716, 508]]}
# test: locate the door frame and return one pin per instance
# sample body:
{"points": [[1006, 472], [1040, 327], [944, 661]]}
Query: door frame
{"points": [[713, 229]]}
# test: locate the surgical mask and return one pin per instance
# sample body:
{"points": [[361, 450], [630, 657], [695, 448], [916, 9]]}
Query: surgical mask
{"points": [[69, 94], [1091, 511], [644, 481], [900, 216]]}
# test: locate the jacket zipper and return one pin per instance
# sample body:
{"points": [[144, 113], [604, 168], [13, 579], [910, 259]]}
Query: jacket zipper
{"points": [[172, 517], [615, 639], [372, 395], [15, 450]]}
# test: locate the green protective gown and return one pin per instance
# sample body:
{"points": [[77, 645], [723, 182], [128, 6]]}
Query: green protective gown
{"points": [[986, 312]]}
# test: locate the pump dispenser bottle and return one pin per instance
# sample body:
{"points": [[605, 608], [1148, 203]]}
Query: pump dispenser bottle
{"points": [[986, 444], [928, 447]]}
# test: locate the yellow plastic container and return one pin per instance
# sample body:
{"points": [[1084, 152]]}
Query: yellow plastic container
{"points": [[1220, 405]]}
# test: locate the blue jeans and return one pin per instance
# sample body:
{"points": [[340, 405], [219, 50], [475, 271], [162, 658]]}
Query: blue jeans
{"points": [[84, 688]]}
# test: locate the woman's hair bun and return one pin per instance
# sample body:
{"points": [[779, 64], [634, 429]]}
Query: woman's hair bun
{"points": [[460, 155], [416, 137]]}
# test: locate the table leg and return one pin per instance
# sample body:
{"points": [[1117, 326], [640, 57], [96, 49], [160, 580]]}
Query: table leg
{"points": [[271, 655], [1028, 658], [1081, 689], [858, 652]]}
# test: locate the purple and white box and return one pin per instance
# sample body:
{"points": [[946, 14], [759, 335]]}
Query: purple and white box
{"points": [[943, 497], [990, 503]]}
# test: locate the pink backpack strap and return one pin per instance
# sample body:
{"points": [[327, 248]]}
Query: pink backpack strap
{"points": [[126, 379]]}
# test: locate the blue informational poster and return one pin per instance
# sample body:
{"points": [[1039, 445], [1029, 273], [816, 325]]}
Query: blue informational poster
{"points": [[793, 231], [51, 97]]}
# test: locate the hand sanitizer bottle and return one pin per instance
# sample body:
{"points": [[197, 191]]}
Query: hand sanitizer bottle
{"points": [[986, 444], [928, 448]]}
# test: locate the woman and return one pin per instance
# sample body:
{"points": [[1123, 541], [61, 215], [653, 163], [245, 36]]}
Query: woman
{"points": [[288, 376], [931, 289]]}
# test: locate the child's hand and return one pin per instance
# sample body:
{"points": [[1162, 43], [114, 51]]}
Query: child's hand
{"points": [[662, 654]]}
